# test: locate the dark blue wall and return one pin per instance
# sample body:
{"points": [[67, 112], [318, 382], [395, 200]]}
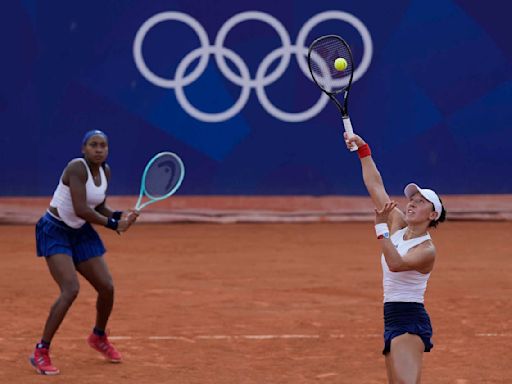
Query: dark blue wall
{"points": [[435, 101]]}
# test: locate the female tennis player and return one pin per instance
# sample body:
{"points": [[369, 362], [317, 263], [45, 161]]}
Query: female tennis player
{"points": [[68, 242], [408, 256]]}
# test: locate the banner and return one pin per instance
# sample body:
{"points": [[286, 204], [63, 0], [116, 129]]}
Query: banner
{"points": [[225, 85]]}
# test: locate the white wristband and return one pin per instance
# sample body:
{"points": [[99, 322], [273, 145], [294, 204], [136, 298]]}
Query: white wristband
{"points": [[382, 231]]}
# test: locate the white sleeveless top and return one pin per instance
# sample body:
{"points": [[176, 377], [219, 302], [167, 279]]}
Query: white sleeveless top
{"points": [[405, 286], [94, 196]]}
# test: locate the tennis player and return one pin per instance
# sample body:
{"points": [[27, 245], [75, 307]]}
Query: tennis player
{"points": [[68, 242], [408, 257]]}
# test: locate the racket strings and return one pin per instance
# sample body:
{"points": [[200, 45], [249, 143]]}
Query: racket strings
{"points": [[163, 176], [323, 54]]}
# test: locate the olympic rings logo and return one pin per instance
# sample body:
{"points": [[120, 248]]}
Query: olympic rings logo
{"points": [[243, 79]]}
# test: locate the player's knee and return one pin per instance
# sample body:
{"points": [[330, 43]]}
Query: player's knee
{"points": [[106, 288], [70, 291]]}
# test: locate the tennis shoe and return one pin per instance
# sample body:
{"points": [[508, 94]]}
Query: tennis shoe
{"points": [[41, 361], [103, 345]]}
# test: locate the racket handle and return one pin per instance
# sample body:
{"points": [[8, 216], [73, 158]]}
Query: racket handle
{"points": [[350, 132]]}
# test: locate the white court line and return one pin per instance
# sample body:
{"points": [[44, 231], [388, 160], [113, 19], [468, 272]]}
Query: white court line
{"points": [[267, 337], [120, 337], [163, 338], [178, 338], [493, 334], [255, 337], [208, 337], [191, 339], [213, 337]]}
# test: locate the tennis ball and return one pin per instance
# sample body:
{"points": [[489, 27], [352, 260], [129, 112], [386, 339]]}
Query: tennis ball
{"points": [[340, 64]]}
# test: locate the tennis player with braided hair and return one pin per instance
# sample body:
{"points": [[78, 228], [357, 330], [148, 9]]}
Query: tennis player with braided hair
{"points": [[68, 242], [408, 256]]}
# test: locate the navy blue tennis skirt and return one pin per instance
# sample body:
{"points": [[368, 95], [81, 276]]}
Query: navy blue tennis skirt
{"points": [[53, 236], [401, 317]]}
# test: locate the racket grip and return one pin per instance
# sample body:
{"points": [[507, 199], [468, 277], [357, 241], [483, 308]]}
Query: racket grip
{"points": [[350, 132]]}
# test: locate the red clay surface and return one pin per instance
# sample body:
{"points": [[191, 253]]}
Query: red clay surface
{"points": [[260, 303]]}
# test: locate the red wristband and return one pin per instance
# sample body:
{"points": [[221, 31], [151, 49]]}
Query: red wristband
{"points": [[364, 150]]}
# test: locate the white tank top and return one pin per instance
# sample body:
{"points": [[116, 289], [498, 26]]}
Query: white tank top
{"points": [[94, 196], [405, 286]]}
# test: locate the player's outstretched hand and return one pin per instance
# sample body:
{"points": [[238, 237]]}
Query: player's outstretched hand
{"points": [[355, 139], [382, 215]]}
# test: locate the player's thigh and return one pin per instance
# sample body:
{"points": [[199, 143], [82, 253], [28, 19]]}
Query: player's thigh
{"points": [[63, 271], [406, 358], [96, 271]]}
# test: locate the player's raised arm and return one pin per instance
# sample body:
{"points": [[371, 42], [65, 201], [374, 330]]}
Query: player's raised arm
{"points": [[373, 181]]}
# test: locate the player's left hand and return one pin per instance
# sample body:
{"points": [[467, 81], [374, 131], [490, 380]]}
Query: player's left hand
{"points": [[382, 215], [132, 215]]}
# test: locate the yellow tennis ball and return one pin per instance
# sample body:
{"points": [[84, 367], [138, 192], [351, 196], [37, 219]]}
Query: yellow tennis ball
{"points": [[340, 64]]}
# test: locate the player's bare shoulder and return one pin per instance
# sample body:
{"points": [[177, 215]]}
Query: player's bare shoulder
{"points": [[76, 168]]}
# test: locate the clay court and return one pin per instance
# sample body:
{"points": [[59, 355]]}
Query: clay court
{"points": [[260, 303], [258, 262]]}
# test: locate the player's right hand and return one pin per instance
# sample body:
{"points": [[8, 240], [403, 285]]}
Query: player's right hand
{"points": [[123, 225], [355, 139]]}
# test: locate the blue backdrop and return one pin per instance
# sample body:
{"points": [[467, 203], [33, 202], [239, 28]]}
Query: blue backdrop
{"points": [[433, 93]]}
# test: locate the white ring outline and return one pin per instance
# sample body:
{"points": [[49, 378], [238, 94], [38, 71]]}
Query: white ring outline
{"points": [[218, 116], [139, 39], [290, 117], [258, 16]]}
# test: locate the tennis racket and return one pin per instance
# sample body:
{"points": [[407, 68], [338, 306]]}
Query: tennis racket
{"points": [[162, 177], [322, 54]]}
